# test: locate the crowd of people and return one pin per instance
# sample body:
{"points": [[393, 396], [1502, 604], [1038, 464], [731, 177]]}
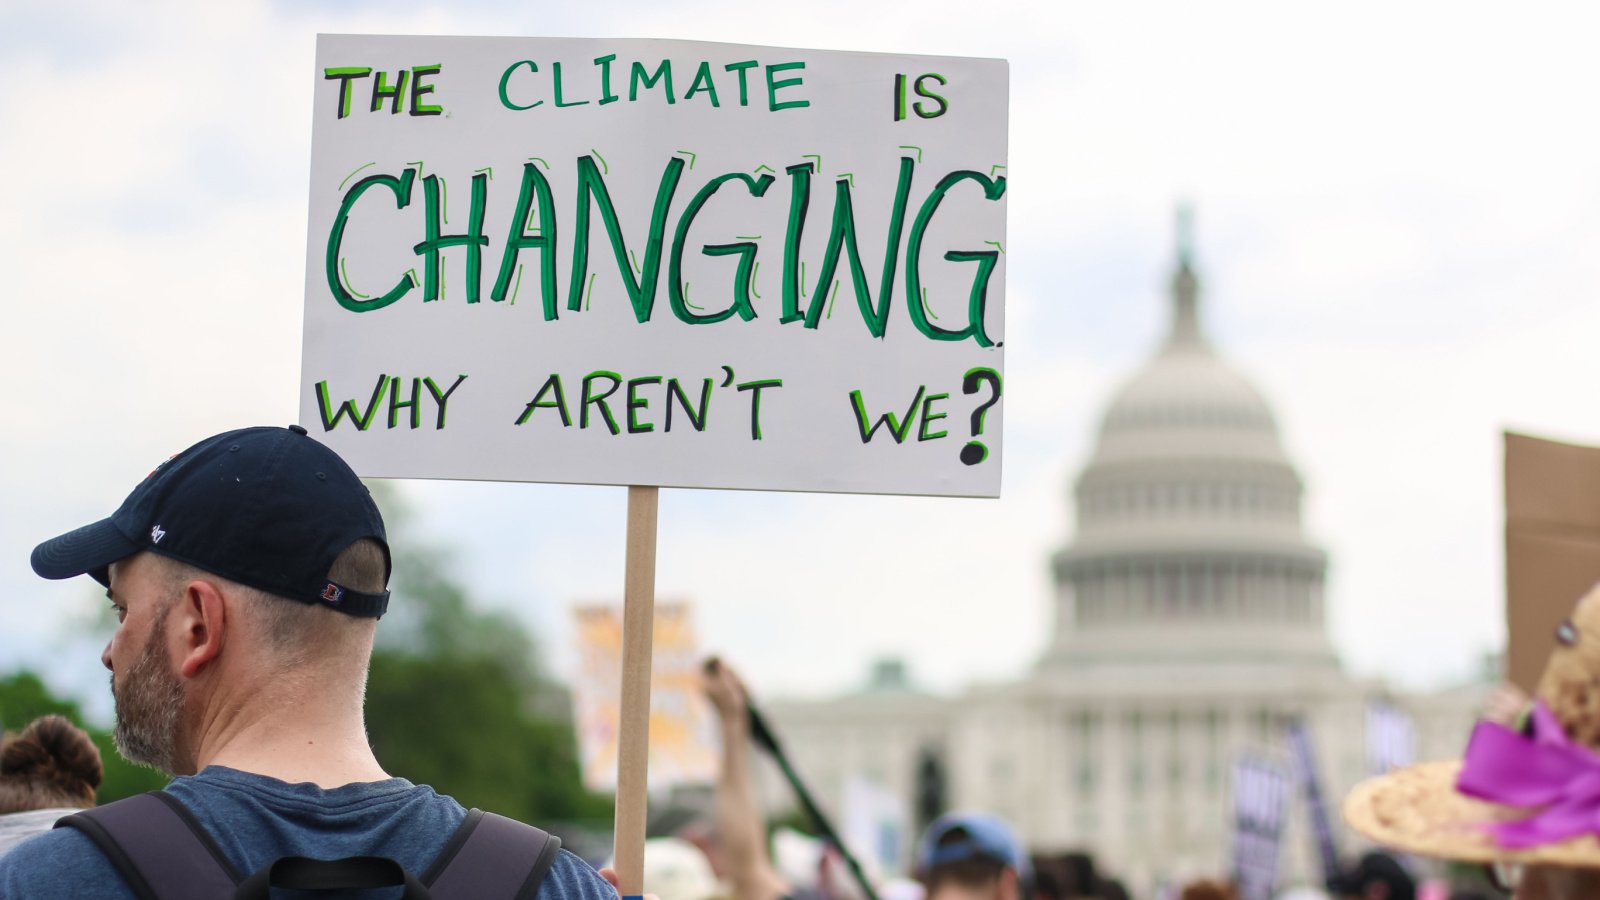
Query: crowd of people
{"points": [[248, 574]]}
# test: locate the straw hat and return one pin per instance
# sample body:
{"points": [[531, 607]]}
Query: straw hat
{"points": [[1465, 809]]}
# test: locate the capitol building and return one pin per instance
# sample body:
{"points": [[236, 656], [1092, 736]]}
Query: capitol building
{"points": [[1189, 627]]}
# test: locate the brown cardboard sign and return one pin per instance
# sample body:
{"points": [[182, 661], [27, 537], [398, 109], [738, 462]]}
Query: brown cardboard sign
{"points": [[1552, 544]]}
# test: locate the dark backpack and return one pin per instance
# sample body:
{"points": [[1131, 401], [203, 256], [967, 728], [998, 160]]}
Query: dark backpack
{"points": [[163, 853]]}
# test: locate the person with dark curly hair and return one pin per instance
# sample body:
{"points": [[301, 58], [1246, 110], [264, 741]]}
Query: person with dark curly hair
{"points": [[49, 770]]}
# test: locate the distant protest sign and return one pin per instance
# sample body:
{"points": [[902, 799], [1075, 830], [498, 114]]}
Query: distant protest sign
{"points": [[1552, 545], [1391, 738], [657, 263], [683, 733], [1260, 798], [876, 824]]}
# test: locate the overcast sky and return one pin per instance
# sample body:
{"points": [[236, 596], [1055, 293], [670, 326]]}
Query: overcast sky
{"points": [[1398, 236]]}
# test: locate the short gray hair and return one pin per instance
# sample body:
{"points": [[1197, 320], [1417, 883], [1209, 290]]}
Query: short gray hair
{"points": [[298, 631]]}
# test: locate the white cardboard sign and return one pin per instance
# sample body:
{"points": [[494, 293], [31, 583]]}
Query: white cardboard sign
{"points": [[657, 263]]}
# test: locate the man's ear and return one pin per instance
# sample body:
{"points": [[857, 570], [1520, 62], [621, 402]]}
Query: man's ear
{"points": [[203, 619]]}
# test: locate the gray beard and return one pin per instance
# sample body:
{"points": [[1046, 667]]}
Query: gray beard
{"points": [[149, 706]]}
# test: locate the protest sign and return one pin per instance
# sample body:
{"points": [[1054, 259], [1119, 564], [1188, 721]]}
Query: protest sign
{"points": [[737, 267], [1552, 545], [1260, 797], [657, 263], [876, 825], [1391, 738], [683, 736]]}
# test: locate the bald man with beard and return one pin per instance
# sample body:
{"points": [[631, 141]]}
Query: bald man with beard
{"points": [[248, 574]]}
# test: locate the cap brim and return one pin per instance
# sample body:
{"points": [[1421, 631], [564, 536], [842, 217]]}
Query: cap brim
{"points": [[86, 551], [1418, 810]]}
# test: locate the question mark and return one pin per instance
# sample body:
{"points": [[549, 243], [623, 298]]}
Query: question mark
{"points": [[975, 452]]}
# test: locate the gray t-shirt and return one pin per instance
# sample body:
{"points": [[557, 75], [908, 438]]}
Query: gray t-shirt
{"points": [[255, 819], [14, 827]]}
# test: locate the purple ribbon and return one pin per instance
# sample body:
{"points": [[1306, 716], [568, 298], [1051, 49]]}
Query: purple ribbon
{"points": [[1546, 771]]}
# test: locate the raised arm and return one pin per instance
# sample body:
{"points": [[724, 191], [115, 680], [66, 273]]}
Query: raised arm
{"points": [[739, 822]]}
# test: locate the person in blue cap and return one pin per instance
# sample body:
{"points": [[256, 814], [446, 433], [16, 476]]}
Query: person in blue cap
{"points": [[248, 574], [971, 856]]}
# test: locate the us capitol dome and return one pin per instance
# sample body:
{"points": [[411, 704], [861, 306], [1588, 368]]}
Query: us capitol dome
{"points": [[1190, 548], [1189, 627]]}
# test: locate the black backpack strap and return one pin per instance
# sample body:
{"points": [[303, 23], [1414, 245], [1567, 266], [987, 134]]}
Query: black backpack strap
{"points": [[162, 853], [158, 847], [302, 873], [491, 856]]}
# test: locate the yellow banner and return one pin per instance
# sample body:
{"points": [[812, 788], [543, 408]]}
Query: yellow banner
{"points": [[683, 742]]}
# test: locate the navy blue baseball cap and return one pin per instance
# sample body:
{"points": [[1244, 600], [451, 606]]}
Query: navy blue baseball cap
{"points": [[975, 836], [270, 508]]}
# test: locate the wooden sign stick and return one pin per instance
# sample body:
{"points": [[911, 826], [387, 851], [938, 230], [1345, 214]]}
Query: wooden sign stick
{"points": [[633, 739]]}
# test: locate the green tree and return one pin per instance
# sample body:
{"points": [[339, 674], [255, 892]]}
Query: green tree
{"points": [[460, 725], [457, 699], [24, 697]]}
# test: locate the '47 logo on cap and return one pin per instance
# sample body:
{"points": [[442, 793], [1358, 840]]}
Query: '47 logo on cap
{"points": [[156, 534]]}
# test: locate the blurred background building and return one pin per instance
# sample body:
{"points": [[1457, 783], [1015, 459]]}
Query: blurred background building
{"points": [[1189, 628]]}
